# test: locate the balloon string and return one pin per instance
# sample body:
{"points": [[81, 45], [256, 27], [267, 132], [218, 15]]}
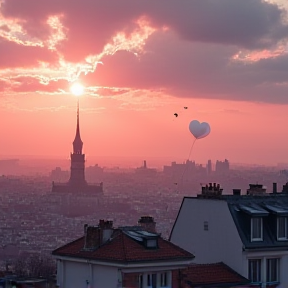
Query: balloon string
{"points": [[186, 164]]}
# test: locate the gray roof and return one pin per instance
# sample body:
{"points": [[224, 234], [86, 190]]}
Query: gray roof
{"points": [[269, 207]]}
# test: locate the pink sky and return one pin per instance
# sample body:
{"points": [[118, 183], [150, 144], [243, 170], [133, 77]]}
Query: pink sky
{"points": [[141, 62]]}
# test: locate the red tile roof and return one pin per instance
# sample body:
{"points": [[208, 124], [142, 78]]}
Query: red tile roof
{"points": [[124, 249], [216, 273]]}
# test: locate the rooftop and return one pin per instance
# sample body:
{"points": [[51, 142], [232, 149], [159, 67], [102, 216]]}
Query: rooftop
{"points": [[211, 274], [126, 246]]}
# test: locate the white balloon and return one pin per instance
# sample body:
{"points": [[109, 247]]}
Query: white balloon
{"points": [[199, 130]]}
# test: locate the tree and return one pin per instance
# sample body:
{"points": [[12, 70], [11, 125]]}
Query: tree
{"points": [[35, 265]]}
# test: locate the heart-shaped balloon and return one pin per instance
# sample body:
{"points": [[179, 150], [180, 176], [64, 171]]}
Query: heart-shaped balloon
{"points": [[199, 130]]}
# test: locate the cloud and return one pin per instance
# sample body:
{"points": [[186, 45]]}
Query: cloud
{"points": [[17, 55], [219, 49], [195, 70], [90, 26]]}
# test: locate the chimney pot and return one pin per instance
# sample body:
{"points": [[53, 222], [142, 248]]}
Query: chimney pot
{"points": [[274, 188], [237, 192], [147, 223]]}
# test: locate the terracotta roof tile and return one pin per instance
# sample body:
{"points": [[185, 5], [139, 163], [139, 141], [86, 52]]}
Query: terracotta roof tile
{"points": [[122, 248], [216, 273]]}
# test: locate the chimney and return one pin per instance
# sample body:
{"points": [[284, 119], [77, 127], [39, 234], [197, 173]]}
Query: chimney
{"points": [[285, 188], [147, 223], [237, 192], [92, 237], [95, 236], [256, 189], [107, 229], [145, 164], [274, 188]]}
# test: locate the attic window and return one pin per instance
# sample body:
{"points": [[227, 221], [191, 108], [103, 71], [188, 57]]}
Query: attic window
{"points": [[151, 243], [282, 228], [256, 229]]}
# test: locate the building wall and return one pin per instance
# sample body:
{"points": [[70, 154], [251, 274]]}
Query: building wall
{"points": [[263, 256], [105, 276], [76, 274], [221, 242]]}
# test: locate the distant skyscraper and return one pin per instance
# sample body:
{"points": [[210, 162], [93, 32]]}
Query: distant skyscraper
{"points": [[77, 182], [209, 167]]}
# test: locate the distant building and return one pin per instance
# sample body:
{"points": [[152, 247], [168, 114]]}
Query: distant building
{"points": [[93, 173], [59, 175], [222, 166], [209, 167], [77, 182], [145, 171], [247, 232]]}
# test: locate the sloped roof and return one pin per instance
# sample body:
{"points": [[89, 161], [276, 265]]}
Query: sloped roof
{"points": [[212, 274], [242, 219], [123, 249]]}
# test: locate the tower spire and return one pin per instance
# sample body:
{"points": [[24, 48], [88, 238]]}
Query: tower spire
{"points": [[77, 143]]}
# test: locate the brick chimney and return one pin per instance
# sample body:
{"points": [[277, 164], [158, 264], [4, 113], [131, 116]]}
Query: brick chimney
{"points": [[212, 191], [148, 224], [256, 189], [96, 236]]}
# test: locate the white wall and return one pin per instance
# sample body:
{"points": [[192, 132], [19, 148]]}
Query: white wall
{"points": [[220, 243], [264, 255], [105, 276], [74, 274]]}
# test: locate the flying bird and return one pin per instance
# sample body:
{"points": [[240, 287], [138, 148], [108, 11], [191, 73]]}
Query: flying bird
{"points": [[176, 114], [185, 107]]}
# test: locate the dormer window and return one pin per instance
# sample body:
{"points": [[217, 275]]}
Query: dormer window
{"points": [[151, 243], [256, 229], [282, 228]]}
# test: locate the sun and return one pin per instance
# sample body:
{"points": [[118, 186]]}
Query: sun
{"points": [[77, 89]]}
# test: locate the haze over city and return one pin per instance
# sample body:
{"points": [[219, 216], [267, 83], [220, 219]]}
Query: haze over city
{"points": [[143, 143]]}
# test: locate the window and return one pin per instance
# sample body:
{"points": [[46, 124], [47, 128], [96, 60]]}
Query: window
{"points": [[256, 229], [272, 270], [151, 243], [254, 270], [152, 280], [163, 280], [282, 228], [141, 281]]}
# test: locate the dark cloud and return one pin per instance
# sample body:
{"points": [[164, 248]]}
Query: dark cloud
{"points": [[195, 70], [90, 25]]}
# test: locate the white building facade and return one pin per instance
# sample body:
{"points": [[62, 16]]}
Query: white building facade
{"points": [[247, 232]]}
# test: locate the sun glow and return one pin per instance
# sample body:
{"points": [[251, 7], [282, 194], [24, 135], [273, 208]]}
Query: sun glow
{"points": [[77, 89]]}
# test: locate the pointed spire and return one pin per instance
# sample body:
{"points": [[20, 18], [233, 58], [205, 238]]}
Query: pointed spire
{"points": [[77, 143]]}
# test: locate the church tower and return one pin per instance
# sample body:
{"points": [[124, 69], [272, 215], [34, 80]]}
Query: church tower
{"points": [[77, 174], [77, 183]]}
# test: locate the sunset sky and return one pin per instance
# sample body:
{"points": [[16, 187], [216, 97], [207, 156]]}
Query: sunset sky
{"points": [[141, 62]]}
